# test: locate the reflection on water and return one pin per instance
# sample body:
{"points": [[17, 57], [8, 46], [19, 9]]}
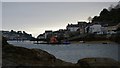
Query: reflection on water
{"points": [[74, 52]]}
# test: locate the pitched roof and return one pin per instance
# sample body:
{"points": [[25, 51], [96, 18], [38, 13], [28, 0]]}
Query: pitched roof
{"points": [[72, 25]]}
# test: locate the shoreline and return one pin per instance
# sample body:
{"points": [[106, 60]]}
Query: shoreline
{"points": [[93, 42], [20, 56], [78, 42]]}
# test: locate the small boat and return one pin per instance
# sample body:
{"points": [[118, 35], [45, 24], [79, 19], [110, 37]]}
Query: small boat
{"points": [[66, 43]]}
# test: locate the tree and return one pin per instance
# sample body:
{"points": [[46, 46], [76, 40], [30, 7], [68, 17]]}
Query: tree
{"points": [[12, 31], [90, 19], [111, 7], [95, 18], [104, 12], [109, 16], [117, 6], [24, 32]]}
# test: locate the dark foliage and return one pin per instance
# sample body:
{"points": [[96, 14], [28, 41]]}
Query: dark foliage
{"points": [[4, 41], [111, 17]]}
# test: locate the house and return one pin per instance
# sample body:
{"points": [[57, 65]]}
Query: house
{"points": [[111, 29], [72, 27], [47, 32], [41, 36], [60, 33], [82, 26], [118, 28], [96, 28]]}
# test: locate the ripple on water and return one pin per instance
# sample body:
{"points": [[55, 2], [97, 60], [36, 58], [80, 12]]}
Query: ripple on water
{"points": [[74, 52]]}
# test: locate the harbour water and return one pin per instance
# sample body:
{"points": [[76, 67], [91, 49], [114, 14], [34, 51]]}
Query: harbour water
{"points": [[74, 52]]}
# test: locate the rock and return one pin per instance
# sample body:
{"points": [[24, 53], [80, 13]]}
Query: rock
{"points": [[24, 56], [98, 63], [4, 41], [20, 56], [83, 64]]}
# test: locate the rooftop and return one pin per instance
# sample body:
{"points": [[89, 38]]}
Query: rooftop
{"points": [[72, 25]]}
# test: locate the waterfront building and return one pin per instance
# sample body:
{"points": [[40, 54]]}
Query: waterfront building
{"points": [[47, 32], [96, 28], [111, 29], [72, 27], [41, 36], [82, 26]]}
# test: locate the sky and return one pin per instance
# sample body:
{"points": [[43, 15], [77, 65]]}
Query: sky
{"points": [[0, 15], [36, 17], [59, 0]]}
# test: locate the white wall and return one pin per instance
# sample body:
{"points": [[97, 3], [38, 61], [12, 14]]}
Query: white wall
{"points": [[72, 28], [96, 29]]}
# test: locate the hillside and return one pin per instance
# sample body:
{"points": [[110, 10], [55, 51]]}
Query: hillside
{"points": [[110, 17]]}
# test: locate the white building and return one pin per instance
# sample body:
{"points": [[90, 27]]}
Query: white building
{"points": [[72, 27], [111, 29], [96, 28], [47, 32]]}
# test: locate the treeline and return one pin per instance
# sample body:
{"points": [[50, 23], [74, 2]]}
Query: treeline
{"points": [[109, 16], [16, 35]]}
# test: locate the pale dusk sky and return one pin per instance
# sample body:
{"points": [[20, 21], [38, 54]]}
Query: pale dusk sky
{"points": [[36, 17]]}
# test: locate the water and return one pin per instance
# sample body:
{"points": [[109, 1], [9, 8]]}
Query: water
{"points": [[74, 52]]}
